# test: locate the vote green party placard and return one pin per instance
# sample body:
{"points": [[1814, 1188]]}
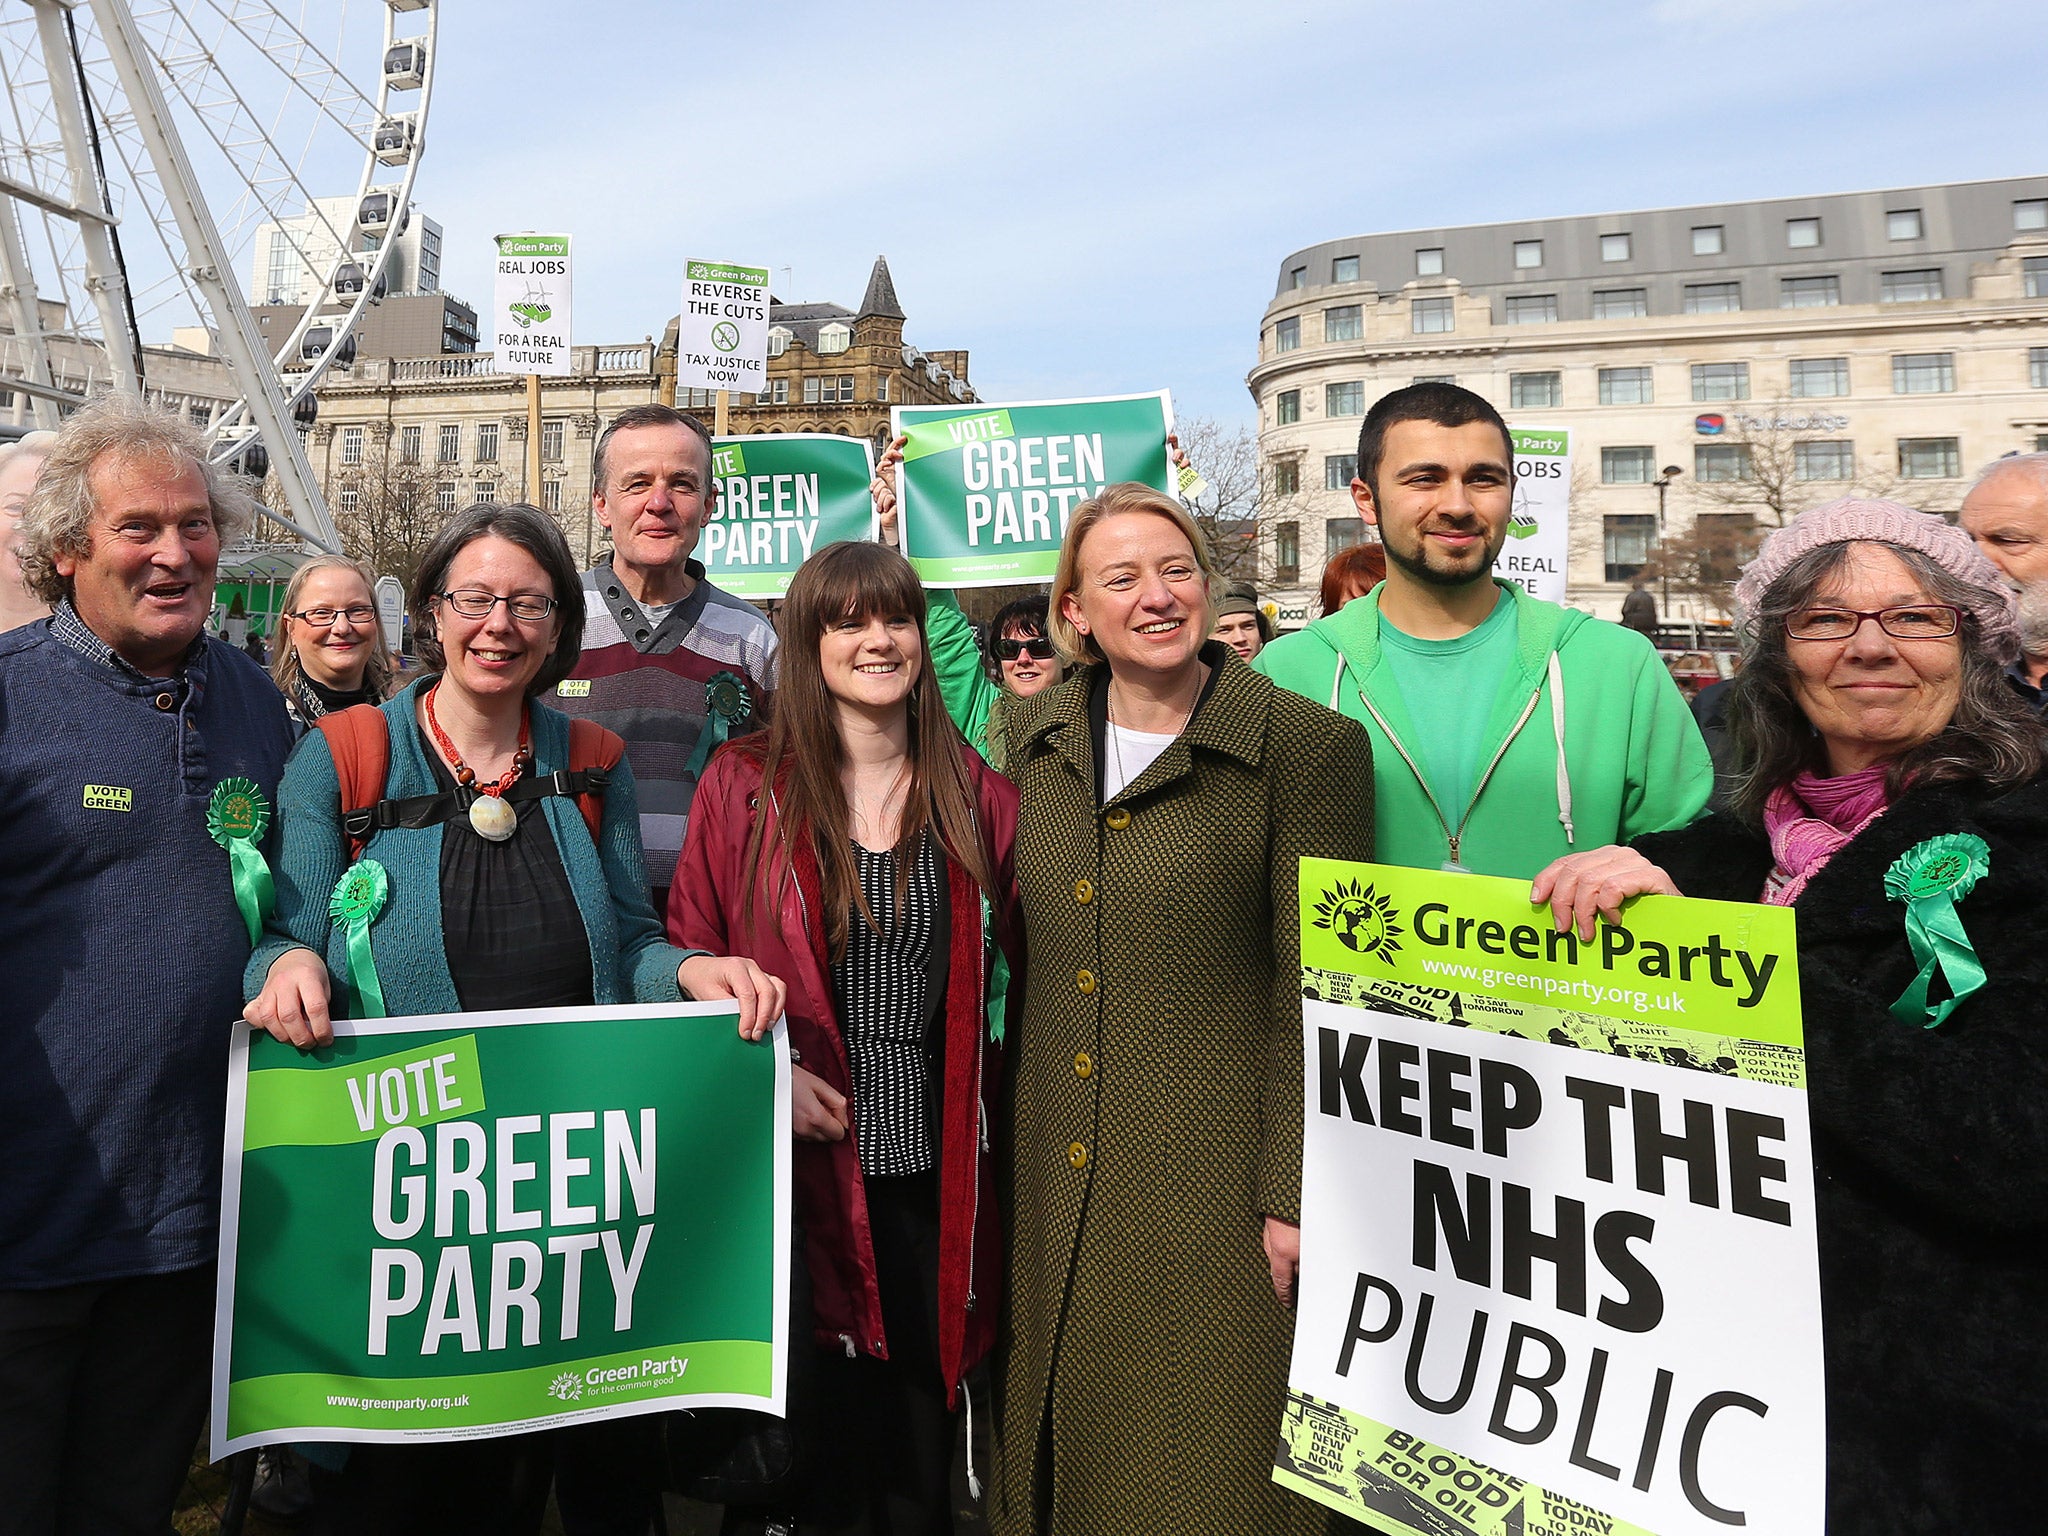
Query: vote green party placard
{"points": [[986, 491], [782, 496], [474, 1224], [1558, 1259]]}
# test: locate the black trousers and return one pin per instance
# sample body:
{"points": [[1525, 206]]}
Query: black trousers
{"points": [[493, 1487], [876, 1438], [103, 1390]]}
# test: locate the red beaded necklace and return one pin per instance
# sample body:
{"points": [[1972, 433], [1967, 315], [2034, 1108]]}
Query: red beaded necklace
{"points": [[466, 775]]}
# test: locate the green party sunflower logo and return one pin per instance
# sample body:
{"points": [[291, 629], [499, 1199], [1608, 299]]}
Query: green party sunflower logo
{"points": [[1361, 919]]}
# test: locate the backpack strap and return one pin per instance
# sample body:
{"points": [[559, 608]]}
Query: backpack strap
{"points": [[594, 752], [360, 740]]}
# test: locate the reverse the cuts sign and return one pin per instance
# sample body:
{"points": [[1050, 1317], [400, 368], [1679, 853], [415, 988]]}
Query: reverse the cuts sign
{"points": [[1558, 1265], [781, 497], [1538, 546], [722, 329], [476, 1224], [986, 491]]}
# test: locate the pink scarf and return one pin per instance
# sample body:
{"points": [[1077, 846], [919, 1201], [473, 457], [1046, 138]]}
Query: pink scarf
{"points": [[1810, 819]]}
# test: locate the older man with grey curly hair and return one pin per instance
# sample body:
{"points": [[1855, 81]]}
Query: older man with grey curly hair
{"points": [[124, 729], [2006, 512]]}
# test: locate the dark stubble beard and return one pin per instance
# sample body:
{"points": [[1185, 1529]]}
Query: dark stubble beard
{"points": [[1416, 561]]}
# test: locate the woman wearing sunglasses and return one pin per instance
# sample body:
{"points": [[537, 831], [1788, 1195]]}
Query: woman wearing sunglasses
{"points": [[489, 892], [332, 652]]}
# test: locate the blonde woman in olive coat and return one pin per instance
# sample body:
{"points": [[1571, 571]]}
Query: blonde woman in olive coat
{"points": [[1168, 791]]}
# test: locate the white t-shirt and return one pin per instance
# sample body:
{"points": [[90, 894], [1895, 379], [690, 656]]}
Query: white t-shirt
{"points": [[1126, 754]]}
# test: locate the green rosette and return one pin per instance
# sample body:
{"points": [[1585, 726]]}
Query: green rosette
{"points": [[237, 816], [1930, 878], [358, 897], [726, 703]]}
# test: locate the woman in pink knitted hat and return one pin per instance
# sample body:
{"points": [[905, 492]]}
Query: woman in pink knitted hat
{"points": [[1881, 755]]}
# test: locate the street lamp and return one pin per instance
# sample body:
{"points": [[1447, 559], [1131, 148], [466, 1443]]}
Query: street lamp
{"points": [[1663, 483]]}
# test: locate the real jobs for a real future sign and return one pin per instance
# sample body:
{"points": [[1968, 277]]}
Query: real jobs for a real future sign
{"points": [[470, 1224], [1558, 1267]]}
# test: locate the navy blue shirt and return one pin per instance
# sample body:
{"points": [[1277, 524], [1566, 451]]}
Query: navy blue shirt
{"points": [[121, 949]]}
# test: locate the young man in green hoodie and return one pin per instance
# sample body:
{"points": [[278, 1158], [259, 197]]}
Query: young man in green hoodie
{"points": [[1506, 731]]}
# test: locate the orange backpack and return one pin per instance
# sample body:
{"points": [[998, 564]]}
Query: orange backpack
{"points": [[360, 739]]}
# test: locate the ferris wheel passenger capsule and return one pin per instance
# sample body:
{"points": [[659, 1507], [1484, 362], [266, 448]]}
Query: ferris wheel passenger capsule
{"points": [[395, 138], [405, 66]]}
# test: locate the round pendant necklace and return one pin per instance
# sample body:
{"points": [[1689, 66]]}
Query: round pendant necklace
{"points": [[492, 819]]}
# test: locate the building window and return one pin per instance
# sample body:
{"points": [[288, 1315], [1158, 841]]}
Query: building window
{"points": [[448, 448], [1720, 381], [1819, 378], [1343, 323], [845, 389], [1802, 234], [1287, 334], [2030, 213], [1344, 270], [1924, 373], [1708, 240], [781, 391], [1721, 462], [199, 413], [2037, 367], [812, 390], [1627, 466], [1823, 461], [349, 502], [1911, 287], [1625, 386], [1339, 470], [1528, 253], [1286, 553], [1620, 303], [2034, 277], [1287, 477], [1535, 390], [1343, 399], [1614, 248], [1904, 224], [1287, 408], [551, 434], [1627, 539], [1298, 278], [351, 445], [446, 496], [1429, 261], [1340, 533], [1809, 292], [1930, 458], [882, 387], [487, 442], [779, 338], [1712, 298], [834, 337], [487, 490], [408, 445], [1532, 308], [1430, 317]]}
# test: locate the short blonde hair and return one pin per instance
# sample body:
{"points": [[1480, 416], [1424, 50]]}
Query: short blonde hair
{"points": [[285, 667], [1123, 497]]}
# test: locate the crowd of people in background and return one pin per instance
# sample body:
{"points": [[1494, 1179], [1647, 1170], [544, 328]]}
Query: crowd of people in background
{"points": [[1025, 895]]}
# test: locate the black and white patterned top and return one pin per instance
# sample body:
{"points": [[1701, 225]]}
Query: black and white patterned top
{"points": [[882, 986]]}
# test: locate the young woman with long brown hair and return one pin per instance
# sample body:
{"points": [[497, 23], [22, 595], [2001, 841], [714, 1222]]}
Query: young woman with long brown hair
{"points": [[860, 851]]}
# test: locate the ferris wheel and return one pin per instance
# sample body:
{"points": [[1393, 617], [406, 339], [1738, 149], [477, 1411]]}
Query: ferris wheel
{"points": [[144, 146]]}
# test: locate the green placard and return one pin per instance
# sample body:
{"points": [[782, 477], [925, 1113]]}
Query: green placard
{"points": [[781, 497], [470, 1223], [987, 491]]}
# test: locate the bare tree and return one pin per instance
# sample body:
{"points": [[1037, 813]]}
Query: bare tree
{"points": [[386, 516], [1227, 511], [1703, 561]]}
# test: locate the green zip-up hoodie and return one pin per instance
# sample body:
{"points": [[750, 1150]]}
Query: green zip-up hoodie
{"points": [[1633, 760]]}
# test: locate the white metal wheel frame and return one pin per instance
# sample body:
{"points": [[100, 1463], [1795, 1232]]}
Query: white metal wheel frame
{"points": [[105, 97]]}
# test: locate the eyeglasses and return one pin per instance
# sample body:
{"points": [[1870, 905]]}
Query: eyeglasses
{"points": [[527, 607], [1009, 650], [358, 614], [1915, 621]]}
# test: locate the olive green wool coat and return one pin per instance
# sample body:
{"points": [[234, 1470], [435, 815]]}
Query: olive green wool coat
{"points": [[1156, 1109]]}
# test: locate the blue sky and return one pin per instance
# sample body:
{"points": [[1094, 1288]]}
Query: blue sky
{"points": [[1096, 197]]}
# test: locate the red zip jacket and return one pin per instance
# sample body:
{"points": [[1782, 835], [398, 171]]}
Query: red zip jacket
{"points": [[706, 910]]}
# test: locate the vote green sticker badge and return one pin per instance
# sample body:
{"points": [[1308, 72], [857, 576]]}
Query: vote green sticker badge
{"points": [[359, 896], [237, 816], [1930, 878]]}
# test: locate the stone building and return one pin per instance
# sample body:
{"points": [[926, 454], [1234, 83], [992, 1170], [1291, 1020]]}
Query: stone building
{"points": [[1773, 354]]}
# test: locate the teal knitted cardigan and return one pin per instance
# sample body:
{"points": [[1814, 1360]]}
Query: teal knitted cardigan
{"points": [[630, 962]]}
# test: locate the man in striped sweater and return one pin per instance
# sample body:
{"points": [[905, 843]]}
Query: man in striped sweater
{"points": [[670, 662]]}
